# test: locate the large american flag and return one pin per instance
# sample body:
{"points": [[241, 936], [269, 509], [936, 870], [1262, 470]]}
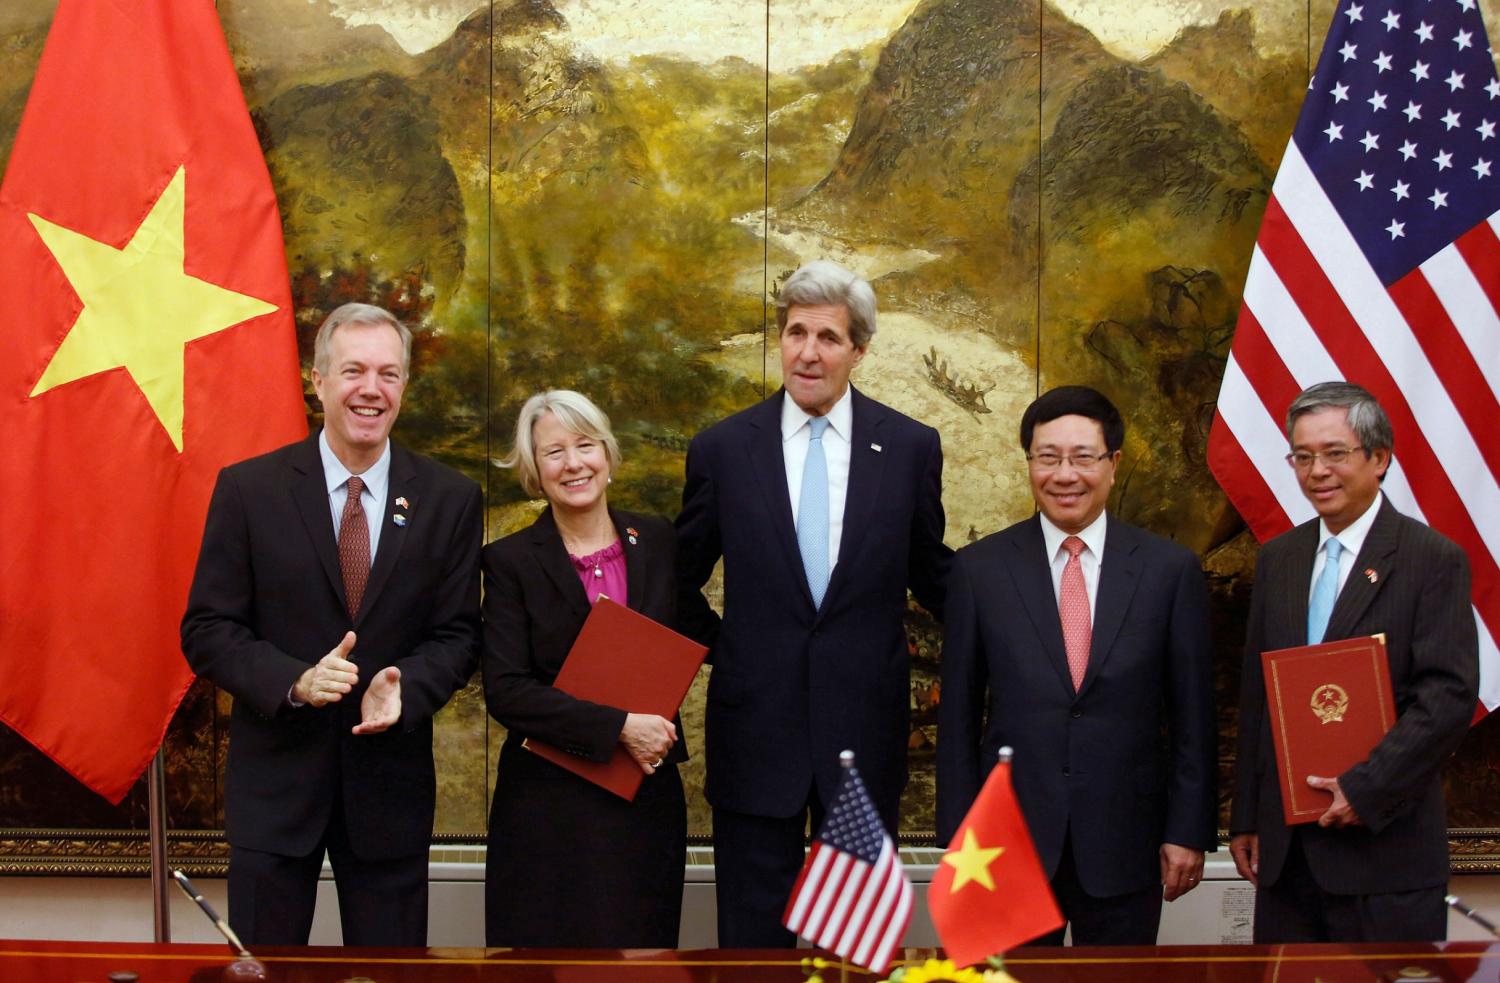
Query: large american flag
{"points": [[852, 897], [1378, 262]]}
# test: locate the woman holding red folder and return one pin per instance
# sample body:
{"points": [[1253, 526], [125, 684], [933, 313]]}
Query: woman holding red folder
{"points": [[569, 864]]}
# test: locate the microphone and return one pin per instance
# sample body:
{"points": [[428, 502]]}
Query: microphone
{"points": [[1472, 915], [247, 967]]}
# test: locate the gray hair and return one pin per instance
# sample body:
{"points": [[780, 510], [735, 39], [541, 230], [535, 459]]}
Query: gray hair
{"points": [[825, 282], [359, 314], [1366, 418], [574, 411]]}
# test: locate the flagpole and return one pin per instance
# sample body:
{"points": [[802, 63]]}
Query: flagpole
{"points": [[156, 807], [846, 761]]}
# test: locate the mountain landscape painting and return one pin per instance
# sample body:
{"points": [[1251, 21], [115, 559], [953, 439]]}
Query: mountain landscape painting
{"points": [[605, 195]]}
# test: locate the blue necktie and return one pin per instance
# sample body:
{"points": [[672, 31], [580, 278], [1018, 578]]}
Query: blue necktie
{"points": [[812, 513], [1325, 592]]}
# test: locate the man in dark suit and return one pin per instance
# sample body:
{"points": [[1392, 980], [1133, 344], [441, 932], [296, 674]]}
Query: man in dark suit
{"points": [[1082, 642], [336, 665], [825, 507], [1374, 868]]}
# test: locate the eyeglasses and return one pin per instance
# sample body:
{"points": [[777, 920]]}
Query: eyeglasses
{"points": [[1081, 460], [1333, 457]]}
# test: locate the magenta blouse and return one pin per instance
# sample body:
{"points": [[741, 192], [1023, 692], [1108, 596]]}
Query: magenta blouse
{"points": [[602, 573]]}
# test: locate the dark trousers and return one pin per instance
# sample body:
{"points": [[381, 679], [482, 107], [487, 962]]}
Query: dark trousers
{"points": [[756, 862], [1125, 919], [381, 902], [1296, 909]]}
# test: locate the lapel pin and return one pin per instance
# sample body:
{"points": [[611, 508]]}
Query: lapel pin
{"points": [[403, 503], [1371, 574], [630, 532], [399, 519], [875, 447]]}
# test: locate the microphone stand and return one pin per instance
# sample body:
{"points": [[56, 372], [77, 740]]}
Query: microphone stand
{"points": [[247, 967]]}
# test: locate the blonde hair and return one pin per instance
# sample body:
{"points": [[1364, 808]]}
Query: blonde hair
{"points": [[574, 411]]}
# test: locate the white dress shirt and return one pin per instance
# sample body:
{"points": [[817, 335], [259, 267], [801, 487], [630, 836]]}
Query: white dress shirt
{"points": [[377, 481], [1090, 559], [1352, 539], [795, 436]]}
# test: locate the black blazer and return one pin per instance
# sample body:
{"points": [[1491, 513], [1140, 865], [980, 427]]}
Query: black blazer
{"points": [[1125, 764], [534, 607], [1413, 584], [267, 601], [793, 686]]}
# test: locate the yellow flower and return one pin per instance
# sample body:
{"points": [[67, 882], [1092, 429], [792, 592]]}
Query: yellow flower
{"points": [[940, 971]]}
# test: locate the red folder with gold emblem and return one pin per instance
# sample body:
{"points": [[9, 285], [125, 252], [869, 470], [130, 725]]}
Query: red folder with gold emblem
{"points": [[1330, 704], [622, 658]]}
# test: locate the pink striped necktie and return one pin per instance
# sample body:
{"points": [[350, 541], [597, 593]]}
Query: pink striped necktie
{"points": [[1073, 608]]}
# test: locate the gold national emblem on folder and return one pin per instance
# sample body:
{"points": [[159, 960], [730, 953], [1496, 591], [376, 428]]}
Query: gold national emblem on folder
{"points": [[1330, 703]]}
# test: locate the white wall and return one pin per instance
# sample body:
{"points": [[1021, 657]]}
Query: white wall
{"points": [[111, 908]]}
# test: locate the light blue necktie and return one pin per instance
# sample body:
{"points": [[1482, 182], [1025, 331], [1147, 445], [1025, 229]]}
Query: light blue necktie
{"points": [[1325, 591], [812, 513]]}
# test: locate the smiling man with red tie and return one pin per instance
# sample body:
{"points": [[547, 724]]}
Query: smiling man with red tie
{"points": [[1082, 642], [336, 599]]}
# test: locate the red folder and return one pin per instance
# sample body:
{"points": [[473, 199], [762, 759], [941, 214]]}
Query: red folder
{"points": [[1330, 704], [623, 659]]}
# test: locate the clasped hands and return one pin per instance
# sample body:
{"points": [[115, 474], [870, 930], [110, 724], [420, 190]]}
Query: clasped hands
{"points": [[648, 738], [334, 675]]}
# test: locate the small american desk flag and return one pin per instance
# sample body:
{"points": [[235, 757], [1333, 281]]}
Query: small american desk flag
{"points": [[1378, 261], [852, 897]]}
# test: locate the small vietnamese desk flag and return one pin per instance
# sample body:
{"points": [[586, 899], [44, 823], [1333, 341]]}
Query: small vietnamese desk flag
{"points": [[989, 893], [149, 342]]}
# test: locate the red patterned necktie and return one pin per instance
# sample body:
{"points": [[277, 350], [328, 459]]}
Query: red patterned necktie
{"points": [[1073, 607], [354, 547]]}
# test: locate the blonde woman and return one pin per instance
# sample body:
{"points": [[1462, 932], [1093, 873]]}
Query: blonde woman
{"points": [[569, 864]]}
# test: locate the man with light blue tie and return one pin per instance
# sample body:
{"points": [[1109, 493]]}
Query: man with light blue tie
{"points": [[825, 507], [1374, 868]]}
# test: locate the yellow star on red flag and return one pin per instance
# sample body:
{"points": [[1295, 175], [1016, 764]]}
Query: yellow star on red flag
{"points": [[971, 862], [140, 306]]}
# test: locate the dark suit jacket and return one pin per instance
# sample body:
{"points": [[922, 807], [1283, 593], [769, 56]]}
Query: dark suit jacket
{"points": [[793, 686], [1123, 765], [267, 601], [1419, 597], [534, 607]]}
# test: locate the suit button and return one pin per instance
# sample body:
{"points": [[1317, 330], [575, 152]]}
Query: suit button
{"points": [[1067, 772], [1077, 713]]}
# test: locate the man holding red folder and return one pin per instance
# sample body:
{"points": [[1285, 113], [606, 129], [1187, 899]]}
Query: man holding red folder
{"points": [[1374, 867]]}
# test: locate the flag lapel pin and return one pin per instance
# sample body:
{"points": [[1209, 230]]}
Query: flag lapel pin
{"points": [[1371, 575], [876, 448], [632, 535], [399, 518]]}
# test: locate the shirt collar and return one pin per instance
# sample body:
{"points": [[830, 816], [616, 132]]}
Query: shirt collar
{"points": [[335, 474], [1353, 536], [1092, 536], [840, 418]]}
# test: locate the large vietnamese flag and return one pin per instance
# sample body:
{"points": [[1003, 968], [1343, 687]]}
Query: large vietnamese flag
{"points": [[149, 341]]}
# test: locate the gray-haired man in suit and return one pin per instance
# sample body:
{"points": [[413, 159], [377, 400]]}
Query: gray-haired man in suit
{"points": [[1375, 866]]}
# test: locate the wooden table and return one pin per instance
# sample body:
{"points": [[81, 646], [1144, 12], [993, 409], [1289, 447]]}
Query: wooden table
{"points": [[84, 962]]}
